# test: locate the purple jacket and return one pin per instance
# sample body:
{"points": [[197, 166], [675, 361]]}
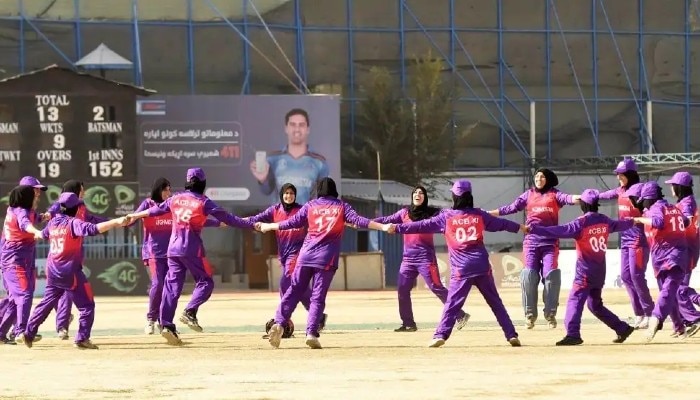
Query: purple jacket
{"points": [[157, 230], [65, 235], [325, 218], [464, 235], [19, 246], [632, 238], [289, 241], [418, 248], [189, 215], [541, 209], [666, 236], [591, 232]]}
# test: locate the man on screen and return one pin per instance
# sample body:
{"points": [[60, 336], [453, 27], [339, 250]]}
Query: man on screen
{"points": [[295, 164]]}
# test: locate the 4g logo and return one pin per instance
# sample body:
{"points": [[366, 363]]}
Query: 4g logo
{"points": [[98, 199], [122, 276]]}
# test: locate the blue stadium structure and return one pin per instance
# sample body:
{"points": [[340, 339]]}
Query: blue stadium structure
{"points": [[592, 78]]}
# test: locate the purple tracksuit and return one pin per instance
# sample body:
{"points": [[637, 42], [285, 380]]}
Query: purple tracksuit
{"points": [[18, 267], [464, 235], [634, 253], [687, 310], [154, 253], [669, 257], [64, 273], [541, 254], [65, 304], [591, 232], [186, 249], [418, 258], [325, 218], [289, 244]]}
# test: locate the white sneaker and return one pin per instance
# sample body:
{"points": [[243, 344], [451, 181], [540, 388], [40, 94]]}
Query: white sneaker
{"points": [[150, 328], [637, 320], [462, 322], [552, 321], [275, 333], [63, 334], [313, 342], [643, 323], [437, 342], [652, 329]]}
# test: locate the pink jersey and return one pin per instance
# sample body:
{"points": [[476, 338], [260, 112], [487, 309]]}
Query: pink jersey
{"points": [[19, 246], [541, 209], [418, 248], [666, 237], [189, 213], [65, 235], [325, 218]]}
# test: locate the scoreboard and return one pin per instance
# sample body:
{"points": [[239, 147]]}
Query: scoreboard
{"points": [[58, 136]]}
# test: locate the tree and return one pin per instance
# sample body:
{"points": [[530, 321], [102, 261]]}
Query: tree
{"points": [[411, 131]]}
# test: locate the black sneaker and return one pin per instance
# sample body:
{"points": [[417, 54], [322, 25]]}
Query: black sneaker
{"points": [[570, 341], [190, 319], [621, 338], [404, 328], [322, 324], [7, 341]]}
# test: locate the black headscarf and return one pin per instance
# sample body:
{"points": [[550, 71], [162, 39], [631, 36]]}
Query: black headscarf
{"points": [[647, 203], [423, 211], [632, 178], [466, 200], [195, 185], [22, 197], [550, 177], [288, 207], [326, 188], [585, 207], [72, 186], [159, 185], [636, 203], [682, 191]]}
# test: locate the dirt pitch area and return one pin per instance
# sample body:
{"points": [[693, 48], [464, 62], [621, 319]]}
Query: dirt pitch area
{"points": [[362, 357]]}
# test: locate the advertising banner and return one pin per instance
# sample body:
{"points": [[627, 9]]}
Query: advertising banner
{"points": [[102, 199], [248, 146], [107, 277]]}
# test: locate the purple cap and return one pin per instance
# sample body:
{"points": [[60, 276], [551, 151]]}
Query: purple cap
{"points": [[68, 199], [635, 190], [461, 187], [625, 165], [681, 178], [590, 196], [33, 182], [196, 173], [650, 191]]}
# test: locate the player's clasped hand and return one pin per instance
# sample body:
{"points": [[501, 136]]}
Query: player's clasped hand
{"points": [[389, 228]]}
